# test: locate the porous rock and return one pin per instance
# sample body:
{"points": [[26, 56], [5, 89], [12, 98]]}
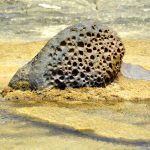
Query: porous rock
{"points": [[85, 54]]}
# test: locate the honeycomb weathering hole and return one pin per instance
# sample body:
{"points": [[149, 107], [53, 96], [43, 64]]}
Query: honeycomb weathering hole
{"points": [[63, 43], [80, 44]]}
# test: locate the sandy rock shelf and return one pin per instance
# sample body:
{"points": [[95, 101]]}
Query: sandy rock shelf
{"points": [[115, 117], [123, 89], [83, 122]]}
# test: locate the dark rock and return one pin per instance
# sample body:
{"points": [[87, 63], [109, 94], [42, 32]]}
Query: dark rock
{"points": [[58, 65]]}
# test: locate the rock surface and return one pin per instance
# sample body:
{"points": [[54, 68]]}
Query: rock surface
{"points": [[82, 55], [68, 117], [83, 122], [37, 126]]}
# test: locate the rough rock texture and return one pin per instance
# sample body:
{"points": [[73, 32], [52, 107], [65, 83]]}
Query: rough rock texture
{"points": [[86, 54]]}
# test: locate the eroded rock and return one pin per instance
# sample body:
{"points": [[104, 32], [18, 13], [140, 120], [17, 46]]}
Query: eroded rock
{"points": [[86, 54]]}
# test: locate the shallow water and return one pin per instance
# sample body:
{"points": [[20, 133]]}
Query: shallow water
{"points": [[23, 132], [36, 20]]}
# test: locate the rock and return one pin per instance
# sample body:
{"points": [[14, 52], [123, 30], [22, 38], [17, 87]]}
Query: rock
{"points": [[86, 54], [135, 72]]}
